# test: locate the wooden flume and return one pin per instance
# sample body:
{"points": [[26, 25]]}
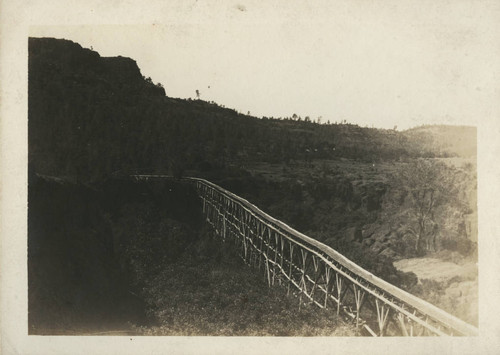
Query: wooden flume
{"points": [[319, 274]]}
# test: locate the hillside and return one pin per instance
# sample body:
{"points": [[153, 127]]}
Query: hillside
{"points": [[446, 141], [134, 259], [91, 116], [374, 195]]}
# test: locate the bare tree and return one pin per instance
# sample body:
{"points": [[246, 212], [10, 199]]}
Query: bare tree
{"points": [[424, 185]]}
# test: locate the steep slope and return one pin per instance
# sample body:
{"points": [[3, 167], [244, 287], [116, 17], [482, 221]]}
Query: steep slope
{"points": [[133, 258]]}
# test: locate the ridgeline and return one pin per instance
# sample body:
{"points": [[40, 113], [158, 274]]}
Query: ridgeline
{"points": [[91, 116]]}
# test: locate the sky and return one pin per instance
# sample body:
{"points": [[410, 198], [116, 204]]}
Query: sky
{"points": [[381, 64]]}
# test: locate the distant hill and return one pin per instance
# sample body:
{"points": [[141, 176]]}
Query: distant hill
{"points": [[92, 116], [446, 140]]}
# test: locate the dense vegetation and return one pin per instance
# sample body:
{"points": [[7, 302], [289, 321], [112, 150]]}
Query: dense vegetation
{"points": [[374, 195]]}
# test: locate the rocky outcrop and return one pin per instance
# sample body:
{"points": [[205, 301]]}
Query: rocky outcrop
{"points": [[371, 196], [63, 58], [382, 240], [84, 109]]}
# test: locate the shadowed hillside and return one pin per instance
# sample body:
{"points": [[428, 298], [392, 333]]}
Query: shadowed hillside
{"points": [[90, 116], [131, 258]]}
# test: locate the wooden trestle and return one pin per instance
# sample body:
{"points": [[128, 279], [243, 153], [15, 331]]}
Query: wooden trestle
{"points": [[317, 273]]}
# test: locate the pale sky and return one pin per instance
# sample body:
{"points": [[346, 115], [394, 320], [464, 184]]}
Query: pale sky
{"points": [[380, 63]]}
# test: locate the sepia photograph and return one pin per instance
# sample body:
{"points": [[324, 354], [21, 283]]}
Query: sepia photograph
{"points": [[248, 171]]}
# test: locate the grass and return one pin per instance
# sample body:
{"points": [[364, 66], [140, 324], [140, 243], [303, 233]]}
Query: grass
{"points": [[221, 296]]}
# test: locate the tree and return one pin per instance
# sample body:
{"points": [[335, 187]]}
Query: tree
{"points": [[423, 186], [197, 94]]}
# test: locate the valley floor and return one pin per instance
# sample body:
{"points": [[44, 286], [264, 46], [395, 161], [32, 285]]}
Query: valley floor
{"points": [[449, 285]]}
